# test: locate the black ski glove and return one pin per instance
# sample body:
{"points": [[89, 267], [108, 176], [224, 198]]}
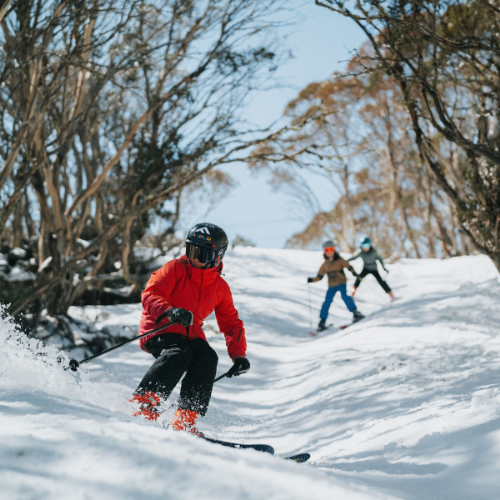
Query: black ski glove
{"points": [[177, 315], [310, 280], [241, 365]]}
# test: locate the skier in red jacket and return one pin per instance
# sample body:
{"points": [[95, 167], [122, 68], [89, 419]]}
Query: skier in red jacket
{"points": [[186, 291]]}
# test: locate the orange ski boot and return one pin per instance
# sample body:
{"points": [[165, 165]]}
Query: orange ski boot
{"points": [[148, 402], [184, 420]]}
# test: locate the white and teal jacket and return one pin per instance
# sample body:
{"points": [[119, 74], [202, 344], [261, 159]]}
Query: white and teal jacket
{"points": [[369, 258]]}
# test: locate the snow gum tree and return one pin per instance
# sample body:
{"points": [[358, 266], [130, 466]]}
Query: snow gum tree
{"points": [[109, 110], [445, 57], [361, 134]]}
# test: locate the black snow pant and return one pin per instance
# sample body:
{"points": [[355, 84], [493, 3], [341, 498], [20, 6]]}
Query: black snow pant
{"points": [[175, 355], [365, 272]]}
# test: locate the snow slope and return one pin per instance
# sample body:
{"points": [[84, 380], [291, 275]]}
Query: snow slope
{"points": [[405, 404]]}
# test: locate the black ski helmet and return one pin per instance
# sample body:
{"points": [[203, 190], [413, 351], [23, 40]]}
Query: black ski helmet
{"points": [[207, 243]]}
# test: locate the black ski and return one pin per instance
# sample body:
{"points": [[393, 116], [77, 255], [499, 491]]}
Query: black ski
{"points": [[300, 458], [259, 447]]}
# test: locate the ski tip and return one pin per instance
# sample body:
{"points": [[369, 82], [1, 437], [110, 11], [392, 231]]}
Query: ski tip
{"points": [[300, 458], [264, 448]]}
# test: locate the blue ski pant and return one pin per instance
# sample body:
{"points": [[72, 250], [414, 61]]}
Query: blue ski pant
{"points": [[349, 302]]}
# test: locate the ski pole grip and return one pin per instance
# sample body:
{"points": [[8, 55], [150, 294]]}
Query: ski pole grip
{"points": [[73, 365]]}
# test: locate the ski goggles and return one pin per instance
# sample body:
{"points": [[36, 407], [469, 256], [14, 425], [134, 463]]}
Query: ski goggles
{"points": [[366, 246], [201, 254], [330, 249]]}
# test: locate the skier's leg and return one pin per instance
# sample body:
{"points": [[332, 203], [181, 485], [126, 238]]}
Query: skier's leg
{"points": [[348, 300], [173, 355], [381, 282], [360, 276], [330, 293], [197, 385]]}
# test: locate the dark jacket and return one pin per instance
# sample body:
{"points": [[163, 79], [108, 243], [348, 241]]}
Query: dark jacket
{"points": [[335, 270]]}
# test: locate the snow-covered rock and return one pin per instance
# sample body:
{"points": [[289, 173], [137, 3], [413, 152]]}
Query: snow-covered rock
{"points": [[16, 254], [17, 273]]}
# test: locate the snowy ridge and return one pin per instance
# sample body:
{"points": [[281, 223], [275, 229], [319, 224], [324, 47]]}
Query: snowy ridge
{"points": [[405, 404]]}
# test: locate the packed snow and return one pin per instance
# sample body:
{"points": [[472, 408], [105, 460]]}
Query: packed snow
{"points": [[404, 404]]}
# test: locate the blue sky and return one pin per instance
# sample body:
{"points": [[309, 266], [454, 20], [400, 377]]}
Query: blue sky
{"points": [[321, 43]]}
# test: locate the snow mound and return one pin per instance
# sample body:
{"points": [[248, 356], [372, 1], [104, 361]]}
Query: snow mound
{"points": [[405, 404]]}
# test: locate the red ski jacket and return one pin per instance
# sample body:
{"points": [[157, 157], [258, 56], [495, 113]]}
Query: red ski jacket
{"points": [[201, 291]]}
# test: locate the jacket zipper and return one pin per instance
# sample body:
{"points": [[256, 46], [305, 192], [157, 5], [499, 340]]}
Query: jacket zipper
{"points": [[199, 297]]}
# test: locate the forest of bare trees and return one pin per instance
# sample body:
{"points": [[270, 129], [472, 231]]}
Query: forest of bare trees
{"points": [[444, 58], [408, 136], [360, 142], [110, 111], [116, 116]]}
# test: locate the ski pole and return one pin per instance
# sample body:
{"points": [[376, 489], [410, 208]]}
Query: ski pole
{"points": [[74, 364], [310, 306], [222, 376]]}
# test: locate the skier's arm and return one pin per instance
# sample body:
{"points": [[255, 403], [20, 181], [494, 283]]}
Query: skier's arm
{"points": [[319, 277], [354, 256], [379, 258], [352, 271], [230, 324], [156, 297], [349, 267]]}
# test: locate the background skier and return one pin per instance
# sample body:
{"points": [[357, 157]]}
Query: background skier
{"points": [[187, 290], [334, 266], [370, 257]]}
